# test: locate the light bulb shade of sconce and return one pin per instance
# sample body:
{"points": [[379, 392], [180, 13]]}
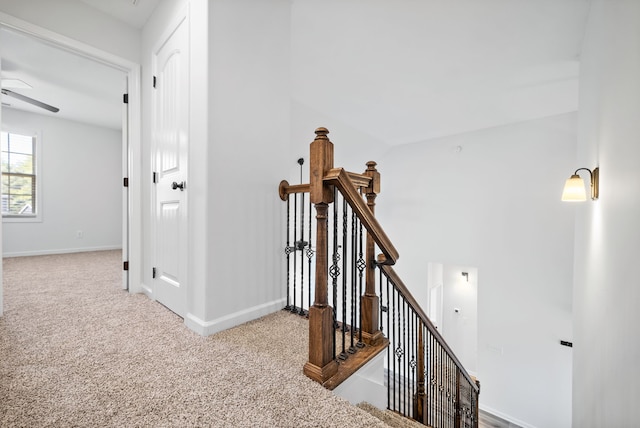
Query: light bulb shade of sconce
{"points": [[574, 189]]}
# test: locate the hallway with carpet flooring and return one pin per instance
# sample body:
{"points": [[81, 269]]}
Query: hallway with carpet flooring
{"points": [[77, 350]]}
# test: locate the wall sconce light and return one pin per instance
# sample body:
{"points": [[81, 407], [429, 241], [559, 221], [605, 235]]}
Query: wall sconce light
{"points": [[574, 187], [466, 275]]}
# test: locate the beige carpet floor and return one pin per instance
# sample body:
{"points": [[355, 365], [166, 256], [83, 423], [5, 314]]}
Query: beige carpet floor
{"points": [[77, 351]]}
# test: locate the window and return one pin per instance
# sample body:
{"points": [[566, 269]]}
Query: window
{"points": [[19, 180]]}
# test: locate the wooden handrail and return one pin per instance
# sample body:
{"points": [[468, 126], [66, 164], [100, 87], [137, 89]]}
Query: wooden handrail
{"points": [[359, 180], [342, 180], [285, 189], [413, 303]]}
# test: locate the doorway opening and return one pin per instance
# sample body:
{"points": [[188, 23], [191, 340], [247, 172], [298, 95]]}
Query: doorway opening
{"points": [[128, 115], [453, 308]]}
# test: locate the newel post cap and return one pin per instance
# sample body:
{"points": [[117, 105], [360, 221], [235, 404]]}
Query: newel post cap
{"points": [[321, 133]]}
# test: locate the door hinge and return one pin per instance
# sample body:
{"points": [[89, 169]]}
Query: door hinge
{"points": [[155, 177], [125, 265], [125, 182], [125, 98], [154, 81], [153, 273]]}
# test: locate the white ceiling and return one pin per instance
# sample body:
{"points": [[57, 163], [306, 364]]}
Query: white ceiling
{"points": [[84, 90], [411, 70], [402, 71], [132, 12]]}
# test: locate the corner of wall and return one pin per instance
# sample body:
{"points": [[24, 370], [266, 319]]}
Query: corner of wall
{"points": [[207, 328]]}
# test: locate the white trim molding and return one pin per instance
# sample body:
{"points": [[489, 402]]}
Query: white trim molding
{"points": [[207, 328], [506, 417], [60, 251]]}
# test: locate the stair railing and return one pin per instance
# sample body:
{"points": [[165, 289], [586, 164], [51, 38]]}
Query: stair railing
{"points": [[420, 363], [425, 380]]}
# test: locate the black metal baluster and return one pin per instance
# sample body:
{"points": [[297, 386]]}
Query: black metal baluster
{"points": [[404, 347], [287, 251], [412, 362], [334, 271], [295, 240], [392, 308], [441, 406], [353, 284], [429, 374], [437, 413], [361, 267], [383, 308], [389, 358], [450, 399], [448, 394], [310, 254], [343, 354], [410, 344], [301, 245]]}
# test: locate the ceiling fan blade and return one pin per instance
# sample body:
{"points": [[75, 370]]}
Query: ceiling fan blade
{"points": [[30, 100]]}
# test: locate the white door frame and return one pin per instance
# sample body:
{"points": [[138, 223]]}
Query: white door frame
{"points": [[134, 124]]}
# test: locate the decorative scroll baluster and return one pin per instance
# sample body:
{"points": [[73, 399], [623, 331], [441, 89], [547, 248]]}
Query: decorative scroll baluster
{"points": [[295, 240], [287, 251], [301, 245], [361, 265], [343, 354], [353, 285], [334, 270], [418, 406], [388, 334], [310, 254]]}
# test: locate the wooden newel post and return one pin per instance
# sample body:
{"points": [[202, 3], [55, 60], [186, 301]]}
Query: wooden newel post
{"points": [[370, 301], [321, 365]]}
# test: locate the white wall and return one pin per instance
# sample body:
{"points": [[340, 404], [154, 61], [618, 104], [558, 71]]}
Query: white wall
{"points": [[491, 199], [353, 146], [607, 247], [81, 187], [248, 151]]}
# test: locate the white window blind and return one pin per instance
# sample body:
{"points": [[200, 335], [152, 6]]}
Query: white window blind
{"points": [[19, 181]]}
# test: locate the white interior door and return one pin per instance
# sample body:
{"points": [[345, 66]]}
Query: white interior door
{"points": [[171, 106]]}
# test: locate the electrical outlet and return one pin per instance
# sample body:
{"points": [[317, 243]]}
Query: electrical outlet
{"points": [[79, 234]]}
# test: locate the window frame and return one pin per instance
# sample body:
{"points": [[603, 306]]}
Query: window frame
{"points": [[37, 160]]}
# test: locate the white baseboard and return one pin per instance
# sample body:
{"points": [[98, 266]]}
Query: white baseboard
{"points": [[59, 251], [505, 416], [207, 328]]}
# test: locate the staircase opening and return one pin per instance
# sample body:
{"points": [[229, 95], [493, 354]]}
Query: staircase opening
{"points": [[339, 268]]}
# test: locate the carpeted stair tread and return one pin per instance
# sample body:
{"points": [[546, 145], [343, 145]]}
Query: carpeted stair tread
{"points": [[390, 418]]}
